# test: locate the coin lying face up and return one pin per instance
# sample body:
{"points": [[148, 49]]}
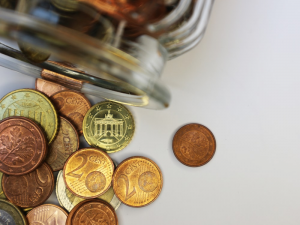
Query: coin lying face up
{"points": [[194, 145], [10, 214], [88, 173], [137, 181]]}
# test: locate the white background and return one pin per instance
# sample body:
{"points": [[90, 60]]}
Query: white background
{"points": [[242, 82]]}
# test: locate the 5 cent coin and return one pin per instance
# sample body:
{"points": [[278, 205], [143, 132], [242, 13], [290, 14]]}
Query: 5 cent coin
{"points": [[29, 190], [47, 214], [72, 105], [194, 145], [22, 146], [65, 143], [88, 173], [137, 181]]}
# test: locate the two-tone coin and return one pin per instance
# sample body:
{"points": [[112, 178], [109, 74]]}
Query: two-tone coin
{"points": [[29, 190], [88, 173], [72, 105], [94, 211], [10, 214], [65, 143], [137, 181], [47, 214], [109, 126], [23, 145], [33, 105], [194, 145]]}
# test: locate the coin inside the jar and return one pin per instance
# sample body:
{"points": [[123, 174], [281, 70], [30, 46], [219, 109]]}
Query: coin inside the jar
{"points": [[194, 145], [22, 144], [29, 190]]}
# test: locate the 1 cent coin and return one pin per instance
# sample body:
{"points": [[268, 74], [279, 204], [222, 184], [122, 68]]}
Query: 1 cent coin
{"points": [[137, 181], [88, 173], [30, 190], [65, 143], [194, 145], [10, 214], [95, 212], [23, 146], [72, 105], [47, 214]]}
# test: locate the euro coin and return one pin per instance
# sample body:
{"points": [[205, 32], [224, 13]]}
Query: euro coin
{"points": [[10, 214]]}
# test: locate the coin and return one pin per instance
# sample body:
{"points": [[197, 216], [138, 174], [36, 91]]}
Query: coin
{"points": [[47, 214], [109, 126], [2, 195], [67, 200], [10, 214], [88, 173], [47, 87], [95, 211], [194, 145], [65, 143], [22, 145], [33, 105], [29, 190], [73, 106], [32, 53], [137, 181]]}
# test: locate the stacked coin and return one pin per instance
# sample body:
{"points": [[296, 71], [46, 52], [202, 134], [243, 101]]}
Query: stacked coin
{"points": [[40, 135]]}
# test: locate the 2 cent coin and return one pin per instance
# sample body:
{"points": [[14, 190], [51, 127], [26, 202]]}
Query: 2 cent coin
{"points": [[72, 105], [137, 181], [23, 146], [29, 190], [194, 145]]}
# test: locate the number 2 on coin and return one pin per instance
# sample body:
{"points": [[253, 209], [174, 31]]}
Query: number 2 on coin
{"points": [[125, 178], [84, 161]]}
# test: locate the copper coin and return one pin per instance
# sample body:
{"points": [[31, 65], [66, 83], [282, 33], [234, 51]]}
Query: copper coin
{"points": [[72, 105], [29, 190], [47, 214], [71, 214], [65, 143], [47, 87], [23, 145], [95, 212], [194, 145]]}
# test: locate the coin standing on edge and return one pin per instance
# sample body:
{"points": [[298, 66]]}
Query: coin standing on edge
{"points": [[33, 105], [47, 214], [23, 146], [109, 126], [72, 105], [137, 181], [88, 173], [194, 145], [65, 143], [47, 87], [92, 212], [10, 214], [29, 190]]}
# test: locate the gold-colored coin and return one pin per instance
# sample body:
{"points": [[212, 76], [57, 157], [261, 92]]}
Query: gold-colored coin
{"points": [[10, 214], [88, 173], [68, 200], [33, 105], [33, 53], [109, 126], [2, 195], [137, 181], [65, 143]]}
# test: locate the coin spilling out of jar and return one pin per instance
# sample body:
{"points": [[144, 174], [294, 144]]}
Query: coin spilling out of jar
{"points": [[109, 126], [143, 176], [194, 145]]}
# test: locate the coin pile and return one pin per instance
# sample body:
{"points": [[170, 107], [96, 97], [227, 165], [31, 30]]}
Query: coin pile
{"points": [[39, 135]]}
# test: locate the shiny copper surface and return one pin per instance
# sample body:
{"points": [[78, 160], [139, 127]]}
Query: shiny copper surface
{"points": [[23, 145], [29, 190], [73, 106], [194, 145], [47, 214], [47, 87]]}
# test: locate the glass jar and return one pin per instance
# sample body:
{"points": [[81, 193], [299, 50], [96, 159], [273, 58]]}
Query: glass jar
{"points": [[122, 62]]}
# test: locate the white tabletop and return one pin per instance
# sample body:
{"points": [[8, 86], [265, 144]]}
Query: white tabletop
{"points": [[243, 83]]}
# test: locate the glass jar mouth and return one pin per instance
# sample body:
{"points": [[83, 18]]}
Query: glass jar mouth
{"points": [[136, 67]]}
